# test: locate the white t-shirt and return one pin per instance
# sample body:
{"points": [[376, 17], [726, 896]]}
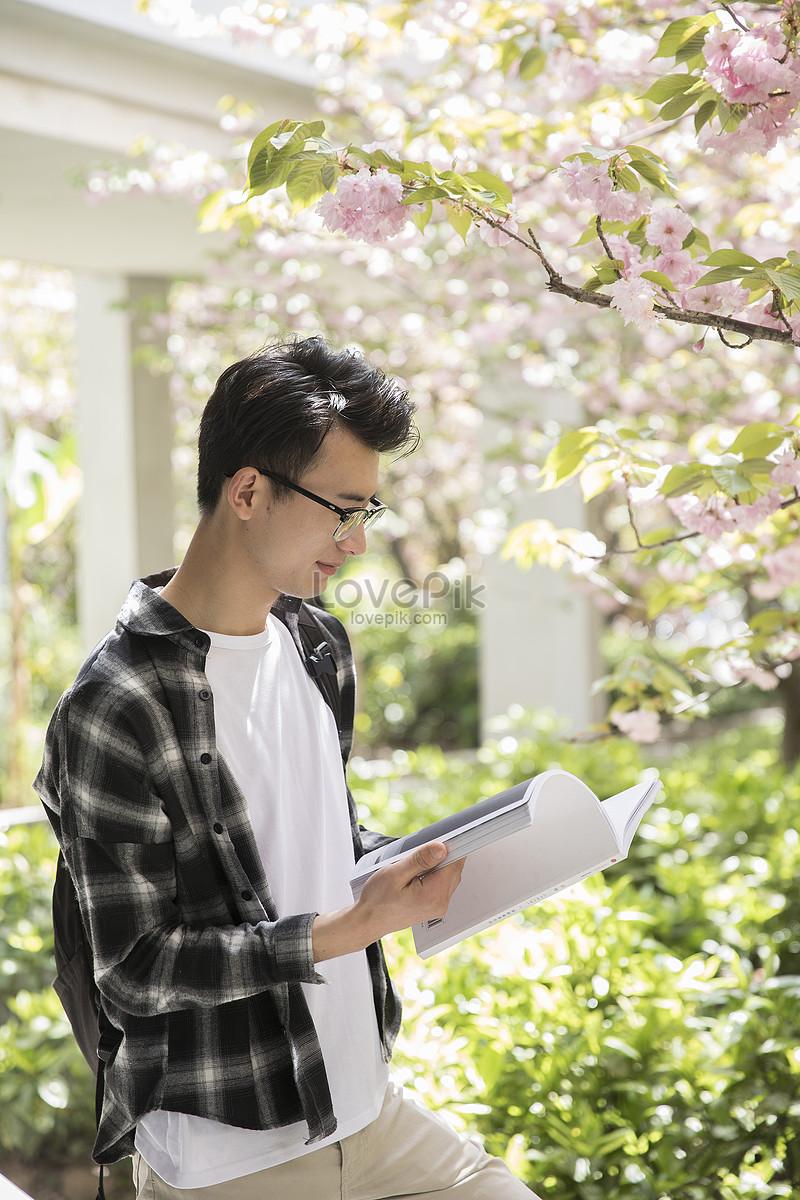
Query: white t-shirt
{"points": [[279, 738]]}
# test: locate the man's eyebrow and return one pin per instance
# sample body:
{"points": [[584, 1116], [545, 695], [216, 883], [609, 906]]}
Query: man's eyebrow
{"points": [[355, 499]]}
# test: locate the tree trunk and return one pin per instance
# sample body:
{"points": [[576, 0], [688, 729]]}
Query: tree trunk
{"points": [[790, 695]]}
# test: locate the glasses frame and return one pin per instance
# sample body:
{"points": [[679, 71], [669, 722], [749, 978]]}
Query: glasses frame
{"points": [[368, 517]]}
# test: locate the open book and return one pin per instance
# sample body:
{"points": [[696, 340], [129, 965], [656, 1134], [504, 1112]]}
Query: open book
{"points": [[522, 846]]}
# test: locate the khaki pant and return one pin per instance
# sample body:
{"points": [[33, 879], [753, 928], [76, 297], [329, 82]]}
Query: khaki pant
{"points": [[408, 1151]]}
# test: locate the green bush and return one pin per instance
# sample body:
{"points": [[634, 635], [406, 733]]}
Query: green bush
{"points": [[638, 1038], [417, 663], [46, 1087]]}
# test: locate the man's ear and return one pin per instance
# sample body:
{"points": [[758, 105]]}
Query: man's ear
{"points": [[241, 491]]}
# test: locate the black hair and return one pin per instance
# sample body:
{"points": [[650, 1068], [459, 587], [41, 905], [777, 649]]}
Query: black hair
{"points": [[274, 409]]}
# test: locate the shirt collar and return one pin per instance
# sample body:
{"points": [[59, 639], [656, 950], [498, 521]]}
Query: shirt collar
{"points": [[144, 610]]}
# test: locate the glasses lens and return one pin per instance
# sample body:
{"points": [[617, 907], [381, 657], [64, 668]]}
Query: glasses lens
{"points": [[350, 523]]}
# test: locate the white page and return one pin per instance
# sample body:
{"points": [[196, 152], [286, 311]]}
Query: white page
{"points": [[625, 810], [569, 838]]}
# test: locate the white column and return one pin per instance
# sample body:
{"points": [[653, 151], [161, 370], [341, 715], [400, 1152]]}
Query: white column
{"points": [[539, 643], [125, 442]]}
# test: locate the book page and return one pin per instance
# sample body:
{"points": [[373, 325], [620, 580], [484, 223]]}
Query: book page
{"points": [[568, 838], [465, 818], [625, 810]]}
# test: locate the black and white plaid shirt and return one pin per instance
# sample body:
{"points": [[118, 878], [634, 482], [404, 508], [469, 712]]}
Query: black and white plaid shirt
{"points": [[199, 973]]}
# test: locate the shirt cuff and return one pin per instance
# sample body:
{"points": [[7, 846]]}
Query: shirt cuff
{"points": [[293, 950]]}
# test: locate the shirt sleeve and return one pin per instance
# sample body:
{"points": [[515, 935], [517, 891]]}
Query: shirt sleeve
{"points": [[161, 930]]}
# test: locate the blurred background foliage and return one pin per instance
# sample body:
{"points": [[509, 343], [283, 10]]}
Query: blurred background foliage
{"points": [[639, 1037]]}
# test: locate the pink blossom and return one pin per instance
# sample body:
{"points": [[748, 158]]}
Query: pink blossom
{"points": [[625, 206], [365, 206], [765, 680], [639, 724], [633, 299], [586, 182], [718, 46], [747, 69], [747, 517], [629, 255], [712, 518], [758, 133], [786, 471], [783, 565], [763, 589], [496, 235], [679, 266], [722, 298], [668, 228], [676, 572]]}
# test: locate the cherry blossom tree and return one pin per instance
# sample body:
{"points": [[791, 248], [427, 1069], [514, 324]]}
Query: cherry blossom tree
{"points": [[598, 200]]}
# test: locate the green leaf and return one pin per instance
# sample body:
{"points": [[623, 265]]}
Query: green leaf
{"points": [[597, 478], [684, 478], [267, 175], [423, 194], [627, 179], [684, 32], [652, 173], [568, 455], [722, 275], [460, 219], [509, 54], [787, 281], [660, 278], [492, 183], [677, 107], [692, 48], [263, 140], [669, 86], [727, 258], [307, 181], [769, 620], [532, 63], [760, 438], [757, 467], [422, 218], [730, 480], [704, 114]]}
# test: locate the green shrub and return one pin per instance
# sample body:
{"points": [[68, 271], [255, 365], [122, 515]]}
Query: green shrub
{"points": [[46, 1088], [638, 1038], [417, 664]]}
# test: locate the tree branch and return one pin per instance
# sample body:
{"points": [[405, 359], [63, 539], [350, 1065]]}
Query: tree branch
{"points": [[668, 312]]}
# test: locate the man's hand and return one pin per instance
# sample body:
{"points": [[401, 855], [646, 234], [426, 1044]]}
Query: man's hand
{"points": [[395, 897]]}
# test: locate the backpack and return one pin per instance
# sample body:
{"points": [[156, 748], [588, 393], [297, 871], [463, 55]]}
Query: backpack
{"points": [[74, 983]]}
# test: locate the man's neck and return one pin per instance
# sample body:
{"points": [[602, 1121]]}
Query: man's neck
{"points": [[208, 589]]}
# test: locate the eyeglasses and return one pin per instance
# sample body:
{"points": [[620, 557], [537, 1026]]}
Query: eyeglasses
{"points": [[349, 518]]}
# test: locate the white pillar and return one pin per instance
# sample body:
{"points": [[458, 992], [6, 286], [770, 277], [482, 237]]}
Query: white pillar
{"points": [[125, 442], [539, 643]]}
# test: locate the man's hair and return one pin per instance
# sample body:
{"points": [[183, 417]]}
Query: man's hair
{"points": [[274, 409]]}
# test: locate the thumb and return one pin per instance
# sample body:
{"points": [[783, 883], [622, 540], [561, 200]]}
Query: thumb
{"points": [[430, 855]]}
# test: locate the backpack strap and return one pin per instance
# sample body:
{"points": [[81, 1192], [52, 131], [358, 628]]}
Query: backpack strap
{"points": [[319, 662]]}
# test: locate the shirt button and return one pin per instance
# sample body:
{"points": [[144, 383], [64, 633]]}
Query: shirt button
{"points": [[200, 642], [247, 895], [217, 827], [205, 694], [205, 758]]}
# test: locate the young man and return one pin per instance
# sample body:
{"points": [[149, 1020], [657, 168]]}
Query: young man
{"points": [[194, 777]]}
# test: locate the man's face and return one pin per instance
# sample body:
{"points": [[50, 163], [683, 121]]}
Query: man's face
{"points": [[290, 540]]}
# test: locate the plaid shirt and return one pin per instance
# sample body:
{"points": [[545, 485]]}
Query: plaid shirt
{"points": [[199, 973]]}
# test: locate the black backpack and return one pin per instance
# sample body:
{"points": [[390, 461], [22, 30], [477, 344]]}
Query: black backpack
{"points": [[74, 982]]}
